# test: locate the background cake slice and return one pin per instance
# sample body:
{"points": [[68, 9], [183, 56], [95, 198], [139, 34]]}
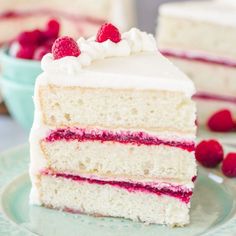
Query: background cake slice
{"points": [[199, 36], [77, 17], [114, 130]]}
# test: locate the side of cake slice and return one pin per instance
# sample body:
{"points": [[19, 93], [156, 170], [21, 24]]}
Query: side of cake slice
{"points": [[198, 37], [114, 132]]}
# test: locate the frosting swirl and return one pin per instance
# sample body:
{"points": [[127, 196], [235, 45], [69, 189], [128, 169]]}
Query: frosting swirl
{"points": [[133, 41]]}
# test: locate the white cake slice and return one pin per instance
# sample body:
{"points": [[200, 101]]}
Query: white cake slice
{"points": [[114, 133], [199, 37]]}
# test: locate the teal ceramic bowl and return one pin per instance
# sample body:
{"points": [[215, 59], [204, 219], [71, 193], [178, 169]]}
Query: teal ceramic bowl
{"points": [[19, 100], [18, 79], [19, 70]]}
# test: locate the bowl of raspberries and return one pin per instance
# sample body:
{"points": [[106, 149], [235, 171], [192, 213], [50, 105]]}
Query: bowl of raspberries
{"points": [[20, 66]]}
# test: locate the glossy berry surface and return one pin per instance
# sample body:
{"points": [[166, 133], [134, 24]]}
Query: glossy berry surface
{"points": [[229, 165], [209, 153], [108, 31], [65, 46], [221, 121]]}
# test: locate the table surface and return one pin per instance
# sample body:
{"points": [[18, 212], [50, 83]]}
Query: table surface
{"points": [[11, 134]]}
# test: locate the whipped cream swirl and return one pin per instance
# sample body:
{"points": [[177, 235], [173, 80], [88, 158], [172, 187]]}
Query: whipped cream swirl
{"points": [[133, 41]]}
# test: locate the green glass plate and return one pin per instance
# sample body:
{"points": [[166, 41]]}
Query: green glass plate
{"points": [[228, 138], [213, 208]]}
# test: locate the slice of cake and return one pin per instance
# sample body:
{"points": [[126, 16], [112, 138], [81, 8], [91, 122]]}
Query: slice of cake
{"points": [[199, 37], [77, 17], [114, 130]]}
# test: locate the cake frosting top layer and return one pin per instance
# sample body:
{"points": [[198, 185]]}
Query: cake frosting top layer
{"points": [[134, 62], [214, 11]]}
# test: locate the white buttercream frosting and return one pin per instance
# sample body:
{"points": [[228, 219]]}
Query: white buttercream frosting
{"points": [[133, 41], [134, 62]]}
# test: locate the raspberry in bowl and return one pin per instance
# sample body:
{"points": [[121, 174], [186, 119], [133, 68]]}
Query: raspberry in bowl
{"points": [[20, 65]]}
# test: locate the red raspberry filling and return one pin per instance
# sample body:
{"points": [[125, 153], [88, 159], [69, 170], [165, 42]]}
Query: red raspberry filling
{"points": [[65, 46], [177, 191], [108, 31], [229, 165], [221, 121], [124, 137], [209, 153]]}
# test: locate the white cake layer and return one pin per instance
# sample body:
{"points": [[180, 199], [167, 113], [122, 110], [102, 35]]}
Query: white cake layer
{"points": [[151, 110], [179, 32], [116, 160], [208, 77], [206, 108], [106, 200]]}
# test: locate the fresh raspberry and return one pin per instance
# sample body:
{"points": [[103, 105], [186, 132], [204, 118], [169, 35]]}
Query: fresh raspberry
{"points": [[25, 52], [209, 153], [108, 31], [229, 165], [221, 121], [65, 46], [53, 29], [29, 37], [40, 52]]}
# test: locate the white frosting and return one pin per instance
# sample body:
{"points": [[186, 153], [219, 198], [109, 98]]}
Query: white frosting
{"points": [[132, 42], [134, 62], [222, 12]]}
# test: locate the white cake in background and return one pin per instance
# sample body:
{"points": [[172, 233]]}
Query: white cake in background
{"points": [[114, 133], [77, 17], [199, 37]]}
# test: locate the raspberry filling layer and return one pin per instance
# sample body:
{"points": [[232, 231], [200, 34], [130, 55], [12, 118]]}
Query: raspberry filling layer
{"points": [[200, 58], [124, 137], [175, 191], [221, 98]]}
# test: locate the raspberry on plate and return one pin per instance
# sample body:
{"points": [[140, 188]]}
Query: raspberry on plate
{"points": [[209, 153], [65, 46], [229, 165], [221, 121], [108, 31]]}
